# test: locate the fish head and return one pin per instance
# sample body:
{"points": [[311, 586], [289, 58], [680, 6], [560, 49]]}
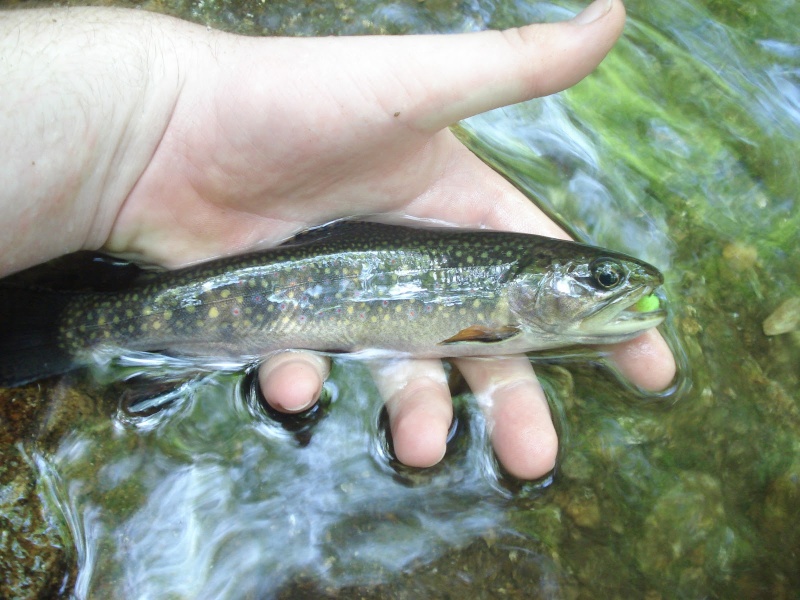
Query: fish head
{"points": [[586, 296]]}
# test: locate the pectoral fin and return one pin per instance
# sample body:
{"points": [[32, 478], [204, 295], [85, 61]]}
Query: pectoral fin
{"points": [[482, 334]]}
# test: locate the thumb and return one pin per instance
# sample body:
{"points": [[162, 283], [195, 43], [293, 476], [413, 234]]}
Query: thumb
{"points": [[448, 78]]}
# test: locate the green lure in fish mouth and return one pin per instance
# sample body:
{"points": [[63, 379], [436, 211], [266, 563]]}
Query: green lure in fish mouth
{"points": [[349, 287], [649, 303], [627, 315], [633, 309]]}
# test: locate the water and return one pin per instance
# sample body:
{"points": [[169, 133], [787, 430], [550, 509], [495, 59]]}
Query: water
{"points": [[213, 497], [681, 149]]}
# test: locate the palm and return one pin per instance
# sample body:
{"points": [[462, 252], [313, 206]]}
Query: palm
{"points": [[243, 163]]}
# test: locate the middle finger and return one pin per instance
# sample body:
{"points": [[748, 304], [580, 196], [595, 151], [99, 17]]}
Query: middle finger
{"points": [[419, 406]]}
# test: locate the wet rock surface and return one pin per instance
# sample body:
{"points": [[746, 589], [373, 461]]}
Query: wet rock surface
{"points": [[34, 558]]}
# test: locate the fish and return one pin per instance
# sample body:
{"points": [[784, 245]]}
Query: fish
{"points": [[348, 287]]}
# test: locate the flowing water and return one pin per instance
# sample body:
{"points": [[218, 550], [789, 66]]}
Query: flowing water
{"points": [[681, 149]]}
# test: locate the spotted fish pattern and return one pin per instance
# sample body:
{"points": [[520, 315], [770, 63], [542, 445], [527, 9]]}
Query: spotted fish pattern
{"points": [[346, 287]]}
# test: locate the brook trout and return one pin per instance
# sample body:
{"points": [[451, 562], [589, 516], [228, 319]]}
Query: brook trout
{"points": [[343, 288]]}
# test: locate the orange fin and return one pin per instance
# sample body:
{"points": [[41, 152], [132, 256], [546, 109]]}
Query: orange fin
{"points": [[483, 334]]}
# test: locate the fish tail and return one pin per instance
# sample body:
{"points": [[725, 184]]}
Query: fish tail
{"points": [[30, 348]]}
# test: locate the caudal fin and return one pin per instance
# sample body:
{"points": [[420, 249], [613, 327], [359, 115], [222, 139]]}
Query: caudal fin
{"points": [[29, 343]]}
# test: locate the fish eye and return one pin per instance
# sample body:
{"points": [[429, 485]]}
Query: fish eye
{"points": [[606, 273]]}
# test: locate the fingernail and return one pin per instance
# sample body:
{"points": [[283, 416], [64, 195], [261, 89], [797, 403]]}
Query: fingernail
{"points": [[596, 10], [290, 383], [300, 408]]}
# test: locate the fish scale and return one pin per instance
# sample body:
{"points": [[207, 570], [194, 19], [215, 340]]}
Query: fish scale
{"points": [[353, 286], [302, 305]]}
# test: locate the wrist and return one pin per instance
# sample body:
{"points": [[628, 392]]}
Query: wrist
{"points": [[87, 94]]}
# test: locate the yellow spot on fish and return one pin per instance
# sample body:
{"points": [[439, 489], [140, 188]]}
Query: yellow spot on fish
{"points": [[476, 304], [190, 309], [225, 293], [386, 317], [470, 259], [147, 311], [156, 325], [167, 315], [101, 321], [374, 319], [213, 312], [349, 310]]}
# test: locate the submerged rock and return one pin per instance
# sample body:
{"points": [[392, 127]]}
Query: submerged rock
{"points": [[784, 319], [33, 558], [740, 256]]}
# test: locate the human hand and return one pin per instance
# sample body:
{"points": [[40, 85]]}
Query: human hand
{"points": [[264, 137]]}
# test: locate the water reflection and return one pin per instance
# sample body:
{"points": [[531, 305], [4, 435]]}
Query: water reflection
{"points": [[211, 497]]}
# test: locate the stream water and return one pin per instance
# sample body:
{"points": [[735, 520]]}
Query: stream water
{"points": [[681, 149]]}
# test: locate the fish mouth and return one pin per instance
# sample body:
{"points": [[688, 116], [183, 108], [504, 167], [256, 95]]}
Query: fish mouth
{"points": [[622, 316]]}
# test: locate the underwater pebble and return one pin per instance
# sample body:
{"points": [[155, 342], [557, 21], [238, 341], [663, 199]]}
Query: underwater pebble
{"points": [[740, 256], [783, 319]]}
